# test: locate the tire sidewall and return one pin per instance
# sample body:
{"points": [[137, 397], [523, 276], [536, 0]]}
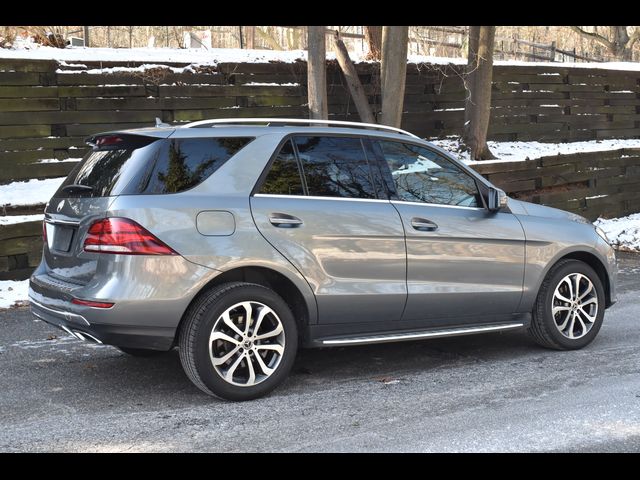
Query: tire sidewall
{"points": [[210, 314], [547, 299]]}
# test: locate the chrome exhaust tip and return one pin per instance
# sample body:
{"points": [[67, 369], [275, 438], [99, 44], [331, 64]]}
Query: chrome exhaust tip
{"points": [[86, 337]]}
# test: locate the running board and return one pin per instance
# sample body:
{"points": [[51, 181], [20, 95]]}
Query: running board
{"points": [[400, 337]]}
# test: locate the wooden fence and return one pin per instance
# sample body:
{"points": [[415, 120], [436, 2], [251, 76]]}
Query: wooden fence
{"points": [[47, 109], [593, 184]]}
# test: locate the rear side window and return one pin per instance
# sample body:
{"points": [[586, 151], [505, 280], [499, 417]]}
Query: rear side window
{"points": [[284, 176], [184, 163], [133, 165], [335, 167]]}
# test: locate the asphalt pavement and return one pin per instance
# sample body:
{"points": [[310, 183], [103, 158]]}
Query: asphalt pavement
{"points": [[483, 393]]}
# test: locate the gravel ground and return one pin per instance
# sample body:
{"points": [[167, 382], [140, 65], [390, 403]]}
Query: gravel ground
{"points": [[492, 392]]}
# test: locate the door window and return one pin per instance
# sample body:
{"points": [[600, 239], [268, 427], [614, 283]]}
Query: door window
{"points": [[335, 167], [284, 175], [422, 175]]}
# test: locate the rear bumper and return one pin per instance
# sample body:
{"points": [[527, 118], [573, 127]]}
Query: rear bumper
{"points": [[153, 338], [150, 295]]}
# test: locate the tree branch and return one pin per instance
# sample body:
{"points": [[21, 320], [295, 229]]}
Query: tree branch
{"points": [[633, 38], [594, 36]]}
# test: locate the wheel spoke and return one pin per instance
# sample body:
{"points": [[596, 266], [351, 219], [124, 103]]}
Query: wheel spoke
{"points": [[584, 327], [252, 373], [223, 336], [587, 302], [571, 325], [226, 357], [561, 297], [232, 369], [275, 347], [577, 286], [559, 308], [227, 320], [564, 323], [263, 366], [589, 318], [249, 311], [263, 312], [276, 331], [567, 280], [587, 291]]}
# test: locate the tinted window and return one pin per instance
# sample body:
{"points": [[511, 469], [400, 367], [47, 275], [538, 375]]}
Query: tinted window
{"points": [[184, 163], [132, 164], [109, 169], [284, 175], [421, 175], [335, 167]]}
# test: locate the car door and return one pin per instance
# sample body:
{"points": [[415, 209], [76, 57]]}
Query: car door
{"points": [[318, 205], [464, 263]]}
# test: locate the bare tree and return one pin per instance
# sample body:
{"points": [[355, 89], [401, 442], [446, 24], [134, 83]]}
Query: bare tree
{"points": [[478, 84], [317, 73], [393, 73], [353, 81], [618, 43], [373, 37]]}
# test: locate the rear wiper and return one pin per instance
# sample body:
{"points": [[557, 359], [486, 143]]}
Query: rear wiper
{"points": [[77, 188]]}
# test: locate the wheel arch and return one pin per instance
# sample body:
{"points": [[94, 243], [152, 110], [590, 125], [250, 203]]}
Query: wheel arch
{"points": [[591, 259], [302, 306]]}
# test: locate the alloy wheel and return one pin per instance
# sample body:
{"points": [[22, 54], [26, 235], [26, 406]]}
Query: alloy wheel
{"points": [[247, 343]]}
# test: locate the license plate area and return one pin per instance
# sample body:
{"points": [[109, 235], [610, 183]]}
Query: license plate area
{"points": [[59, 237]]}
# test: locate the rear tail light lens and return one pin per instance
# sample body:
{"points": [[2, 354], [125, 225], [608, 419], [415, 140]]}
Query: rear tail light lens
{"points": [[44, 232], [125, 237]]}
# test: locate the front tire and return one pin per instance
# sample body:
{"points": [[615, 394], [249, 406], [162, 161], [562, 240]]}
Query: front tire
{"points": [[238, 341], [569, 309]]}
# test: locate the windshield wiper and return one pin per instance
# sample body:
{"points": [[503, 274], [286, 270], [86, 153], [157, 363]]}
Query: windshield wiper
{"points": [[77, 188]]}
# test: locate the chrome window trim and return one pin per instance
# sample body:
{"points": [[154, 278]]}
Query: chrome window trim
{"points": [[405, 202], [311, 197]]}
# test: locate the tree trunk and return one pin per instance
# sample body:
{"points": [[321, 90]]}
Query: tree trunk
{"points": [[317, 73], [478, 101], [373, 37], [393, 73], [250, 35], [353, 81]]}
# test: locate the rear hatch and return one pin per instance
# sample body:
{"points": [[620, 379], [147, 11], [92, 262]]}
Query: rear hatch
{"points": [[117, 164]]}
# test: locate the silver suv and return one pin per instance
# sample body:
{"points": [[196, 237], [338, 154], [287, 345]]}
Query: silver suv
{"points": [[241, 241]]}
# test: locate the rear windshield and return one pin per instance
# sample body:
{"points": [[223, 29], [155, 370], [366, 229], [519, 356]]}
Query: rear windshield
{"points": [[137, 165]]}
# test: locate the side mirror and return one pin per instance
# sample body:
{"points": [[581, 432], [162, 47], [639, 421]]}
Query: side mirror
{"points": [[496, 199]]}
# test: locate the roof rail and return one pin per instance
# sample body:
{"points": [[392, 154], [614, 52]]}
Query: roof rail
{"points": [[297, 121]]}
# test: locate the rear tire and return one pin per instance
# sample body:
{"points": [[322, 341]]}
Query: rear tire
{"points": [[569, 309], [229, 357]]}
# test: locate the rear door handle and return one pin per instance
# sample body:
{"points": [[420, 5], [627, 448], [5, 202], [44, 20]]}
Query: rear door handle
{"points": [[283, 220], [423, 224]]}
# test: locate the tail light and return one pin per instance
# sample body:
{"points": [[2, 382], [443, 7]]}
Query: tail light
{"points": [[123, 236], [44, 232]]}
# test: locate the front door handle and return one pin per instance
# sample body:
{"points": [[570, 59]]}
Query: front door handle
{"points": [[423, 224], [283, 220]]}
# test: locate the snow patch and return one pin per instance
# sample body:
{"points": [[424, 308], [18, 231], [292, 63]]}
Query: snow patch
{"points": [[27, 49], [13, 219], [55, 160], [623, 233], [520, 151], [29, 193], [12, 292]]}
